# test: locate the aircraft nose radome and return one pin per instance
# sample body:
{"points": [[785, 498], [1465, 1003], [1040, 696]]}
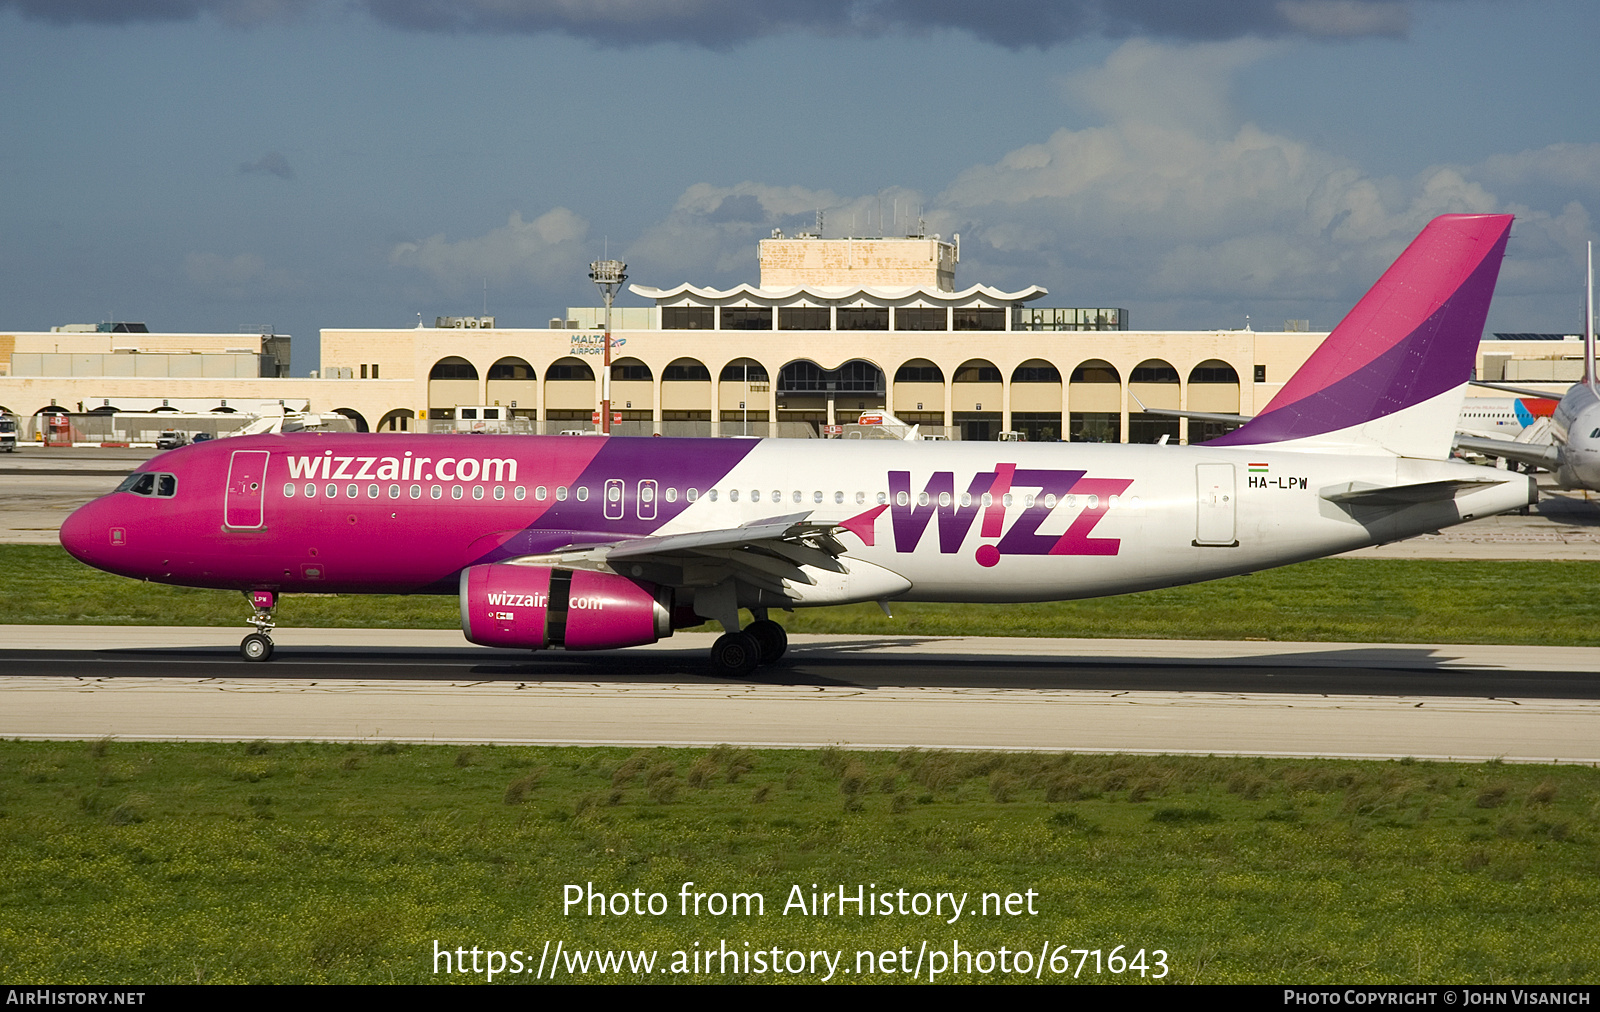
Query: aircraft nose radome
{"points": [[81, 534]]}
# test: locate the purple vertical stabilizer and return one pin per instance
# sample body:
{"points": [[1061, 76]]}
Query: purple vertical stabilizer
{"points": [[1412, 337]]}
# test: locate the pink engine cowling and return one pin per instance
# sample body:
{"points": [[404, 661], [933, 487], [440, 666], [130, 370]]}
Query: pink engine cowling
{"points": [[532, 607]]}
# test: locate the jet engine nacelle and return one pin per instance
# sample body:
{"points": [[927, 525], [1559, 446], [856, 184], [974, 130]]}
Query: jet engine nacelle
{"points": [[532, 607]]}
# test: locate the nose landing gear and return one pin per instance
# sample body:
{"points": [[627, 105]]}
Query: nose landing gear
{"points": [[258, 645]]}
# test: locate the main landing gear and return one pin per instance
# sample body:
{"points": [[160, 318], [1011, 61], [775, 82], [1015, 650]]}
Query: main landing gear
{"points": [[258, 645], [736, 654]]}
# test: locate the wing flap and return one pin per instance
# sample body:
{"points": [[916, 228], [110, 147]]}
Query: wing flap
{"points": [[1512, 388]]}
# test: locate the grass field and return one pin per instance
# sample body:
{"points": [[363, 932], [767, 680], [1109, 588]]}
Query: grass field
{"points": [[1365, 600], [155, 863]]}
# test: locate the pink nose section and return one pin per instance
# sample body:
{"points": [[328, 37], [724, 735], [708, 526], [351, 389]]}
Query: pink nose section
{"points": [[86, 536]]}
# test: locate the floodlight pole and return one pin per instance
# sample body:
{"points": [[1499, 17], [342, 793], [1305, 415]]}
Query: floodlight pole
{"points": [[609, 275]]}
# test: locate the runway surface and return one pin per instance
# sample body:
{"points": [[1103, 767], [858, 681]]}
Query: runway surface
{"points": [[1252, 698]]}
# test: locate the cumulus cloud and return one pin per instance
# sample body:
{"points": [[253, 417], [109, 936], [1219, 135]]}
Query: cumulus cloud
{"points": [[545, 250], [244, 13], [244, 275], [1172, 201], [711, 233], [271, 163], [1184, 87], [1345, 18], [1161, 214], [1172, 204], [1573, 166], [1011, 23], [724, 23]]}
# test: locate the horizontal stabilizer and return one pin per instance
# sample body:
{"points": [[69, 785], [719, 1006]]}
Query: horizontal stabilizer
{"points": [[1512, 388], [1545, 455], [1402, 495], [1204, 416]]}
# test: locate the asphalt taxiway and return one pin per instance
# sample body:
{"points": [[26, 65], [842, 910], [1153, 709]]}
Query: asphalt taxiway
{"points": [[1251, 698]]}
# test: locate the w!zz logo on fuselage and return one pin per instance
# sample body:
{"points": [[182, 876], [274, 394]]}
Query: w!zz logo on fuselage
{"points": [[910, 514]]}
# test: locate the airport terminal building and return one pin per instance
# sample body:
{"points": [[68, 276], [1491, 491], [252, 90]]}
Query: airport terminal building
{"points": [[835, 327]]}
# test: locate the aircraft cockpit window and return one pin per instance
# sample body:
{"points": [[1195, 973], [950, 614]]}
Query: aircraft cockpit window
{"points": [[163, 486]]}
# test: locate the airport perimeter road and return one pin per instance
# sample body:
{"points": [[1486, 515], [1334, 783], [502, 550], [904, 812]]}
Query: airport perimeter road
{"points": [[1366, 700], [40, 487]]}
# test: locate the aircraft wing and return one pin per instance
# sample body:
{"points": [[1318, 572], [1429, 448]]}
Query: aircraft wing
{"points": [[1519, 391], [1545, 455], [764, 553]]}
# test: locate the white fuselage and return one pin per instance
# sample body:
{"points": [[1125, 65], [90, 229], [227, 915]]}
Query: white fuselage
{"points": [[1576, 428], [1491, 417], [1083, 520]]}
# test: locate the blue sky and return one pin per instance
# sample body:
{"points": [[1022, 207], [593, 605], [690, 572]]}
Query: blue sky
{"points": [[213, 165]]}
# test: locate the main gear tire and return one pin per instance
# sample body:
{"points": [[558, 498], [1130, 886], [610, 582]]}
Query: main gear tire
{"points": [[772, 638], [735, 655]]}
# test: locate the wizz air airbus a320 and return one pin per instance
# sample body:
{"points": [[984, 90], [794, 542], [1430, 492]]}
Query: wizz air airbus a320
{"points": [[597, 543]]}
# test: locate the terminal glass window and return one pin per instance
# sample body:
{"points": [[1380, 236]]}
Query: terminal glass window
{"points": [[506, 369], [803, 318], [870, 318], [1094, 427], [860, 377], [918, 374], [852, 377], [1095, 372], [453, 368], [734, 372], [686, 372], [746, 319], [687, 318], [979, 319], [1213, 373], [1153, 372], [921, 319], [976, 373], [1036, 374], [569, 370], [1072, 319]]}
